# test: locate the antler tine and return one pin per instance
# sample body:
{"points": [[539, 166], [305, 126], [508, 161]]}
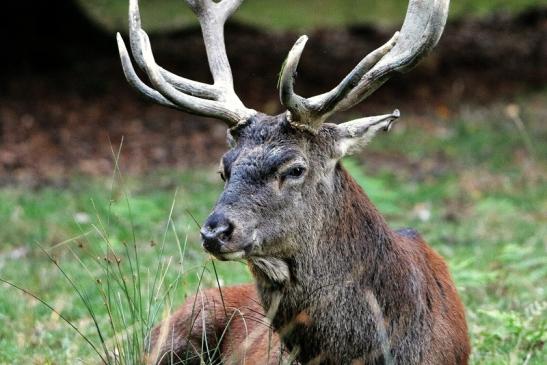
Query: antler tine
{"points": [[183, 84], [216, 101], [134, 80], [185, 102], [422, 29], [212, 16], [423, 26], [297, 106], [325, 103], [314, 111]]}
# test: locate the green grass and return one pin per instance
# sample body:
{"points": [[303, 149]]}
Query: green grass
{"points": [[468, 183], [289, 14]]}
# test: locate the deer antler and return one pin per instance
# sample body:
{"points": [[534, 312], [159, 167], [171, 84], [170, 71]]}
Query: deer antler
{"points": [[422, 28], [218, 100]]}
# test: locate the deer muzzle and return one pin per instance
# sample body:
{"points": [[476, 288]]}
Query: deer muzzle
{"points": [[216, 235]]}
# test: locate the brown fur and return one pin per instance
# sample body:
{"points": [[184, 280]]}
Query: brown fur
{"points": [[231, 321]]}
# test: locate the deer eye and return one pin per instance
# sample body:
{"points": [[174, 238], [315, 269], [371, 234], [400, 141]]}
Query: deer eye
{"points": [[294, 172]]}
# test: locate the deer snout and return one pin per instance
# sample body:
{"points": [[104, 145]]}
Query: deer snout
{"points": [[216, 231]]}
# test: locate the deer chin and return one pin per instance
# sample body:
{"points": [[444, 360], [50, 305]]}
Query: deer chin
{"points": [[234, 251]]}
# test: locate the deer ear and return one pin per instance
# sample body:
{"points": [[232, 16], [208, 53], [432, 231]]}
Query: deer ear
{"points": [[354, 135], [230, 139]]}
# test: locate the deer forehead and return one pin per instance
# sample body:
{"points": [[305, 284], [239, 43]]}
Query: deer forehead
{"points": [[264, 129], [271, 144]]}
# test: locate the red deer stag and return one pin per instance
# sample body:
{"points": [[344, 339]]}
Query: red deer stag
{"points": [[334, 283]]}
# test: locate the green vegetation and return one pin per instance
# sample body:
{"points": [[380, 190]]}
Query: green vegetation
{"points": [[290, 14], [471, 184], [131, 258]]}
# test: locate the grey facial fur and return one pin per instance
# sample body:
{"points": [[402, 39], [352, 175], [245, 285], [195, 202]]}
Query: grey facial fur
{"points": [[271, 175]]}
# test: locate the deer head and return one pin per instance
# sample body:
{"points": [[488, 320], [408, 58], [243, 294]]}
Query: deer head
{"points": [[281, 171]]}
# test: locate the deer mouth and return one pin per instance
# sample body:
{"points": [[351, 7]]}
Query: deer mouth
{"points": [[232, 256], [225, 254]]}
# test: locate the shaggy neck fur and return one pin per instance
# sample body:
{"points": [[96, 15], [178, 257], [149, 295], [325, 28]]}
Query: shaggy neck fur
{"points": [[348, 268]]}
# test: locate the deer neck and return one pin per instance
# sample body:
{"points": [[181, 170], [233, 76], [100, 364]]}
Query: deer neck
{"points": [[351, 240], [352, 224]]}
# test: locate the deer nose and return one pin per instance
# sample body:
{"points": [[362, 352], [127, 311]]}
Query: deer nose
{"points": [[216, 231]]}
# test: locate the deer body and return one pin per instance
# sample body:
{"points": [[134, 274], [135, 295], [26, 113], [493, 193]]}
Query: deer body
{"points": [[335, 283], [211, 326]]}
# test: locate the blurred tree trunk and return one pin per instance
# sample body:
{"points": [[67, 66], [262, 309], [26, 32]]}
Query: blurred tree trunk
{"points": [[45, 35]]}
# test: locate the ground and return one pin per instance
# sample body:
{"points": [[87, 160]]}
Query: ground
{"points": [[465, 166]]}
